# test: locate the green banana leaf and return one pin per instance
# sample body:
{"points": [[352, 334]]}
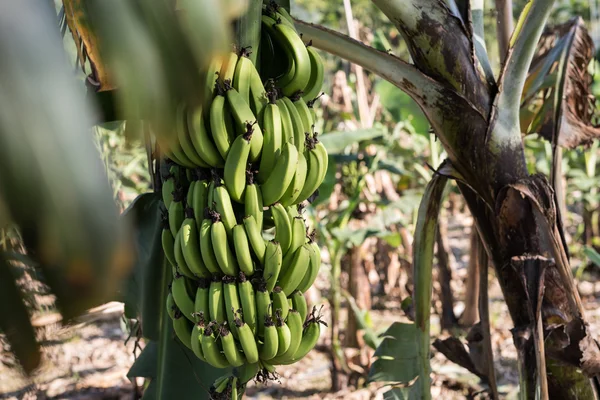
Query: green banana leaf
{"points": [[397, 359]]}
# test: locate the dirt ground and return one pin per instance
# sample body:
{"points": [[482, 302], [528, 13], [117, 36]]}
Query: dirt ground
{"points": [[90, 360]]}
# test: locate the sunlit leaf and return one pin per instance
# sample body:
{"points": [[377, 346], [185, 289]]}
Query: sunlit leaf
{"points": [[397, 359], [336, 142]]}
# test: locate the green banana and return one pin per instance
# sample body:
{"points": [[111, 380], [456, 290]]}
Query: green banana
{"points": [[323, 158], [283, 334], [292, 212], [210, 349], [293, 191], [167, 190], [298, 234], [247, 341], [242, 75], [295, 49], [176, 212], [248, 301], [268, 24], [219, 129], [184, 138], [317, 75], [216, 302], [183, 330], [212, 74], [168, 244], [171, 306], [280, 178], [228, 67], [181, 297], [310, 336], [230, 349], [305, 115], [280, 303], [313, 270], [253, 203], [223, 253], [206, 247], [268, 348], [299, 304], [291, 276], [199, 201], [273, 140], [294, 323], [201, 139], [189, 200], [190, 246], [195, 339], [255, 238], [245, 121], [287, 128], [297, 125], [242, 250], [201, 301], [234, 389], [258, 100], [313, 180], [180, 263], [220, 384], [272, 264], [223, 206], [234, 174], [263, 307], [283, 227]]}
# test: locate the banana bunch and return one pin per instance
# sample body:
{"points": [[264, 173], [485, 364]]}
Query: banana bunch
{"points": [[238, 171]]}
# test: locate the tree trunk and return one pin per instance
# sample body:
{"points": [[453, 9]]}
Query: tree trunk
{"points": [[471, 313], [448, 320]]}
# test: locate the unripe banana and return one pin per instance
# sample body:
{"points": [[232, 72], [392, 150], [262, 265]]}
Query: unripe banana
{"points": [[181, 265], [181, 298], [272, 264], [293, 191], [281, 176], [305, 115], [313, 270], [190, 246], [210, 349], [268, 348], [313, 176], [201, 301], [183, 329], [234, 174], [196, 339], [232, 303], [219, 128], [230, 349], [242, 250], [168, 187], [202, 140], [273, 140], [258, 99], [242, 75], [220, 385], [255, 238], [216, 302], [176, 212], [206, 247], [228, 67], [223, 253], [297, 124], [284, 335], [310, 336], [247, 341], [287, 128], [317, 75], [168, 244], [263, 307], [323, 157], [245, 120], [299, 304], [280, 303], [184, 138], [171, 306], [212, 74], [199, 201], [291, 276], [189, 200], [248, 301], [234, 389], [222, 204], [283, 227], [253, 203], [295, 325]]}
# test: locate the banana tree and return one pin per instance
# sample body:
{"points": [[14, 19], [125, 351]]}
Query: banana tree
{"points": [[475, 115]]}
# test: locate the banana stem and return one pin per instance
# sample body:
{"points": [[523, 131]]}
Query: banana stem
{"points": [[247, 29]]}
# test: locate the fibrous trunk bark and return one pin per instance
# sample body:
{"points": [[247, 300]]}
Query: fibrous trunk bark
{"points": [[471, 313]]}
